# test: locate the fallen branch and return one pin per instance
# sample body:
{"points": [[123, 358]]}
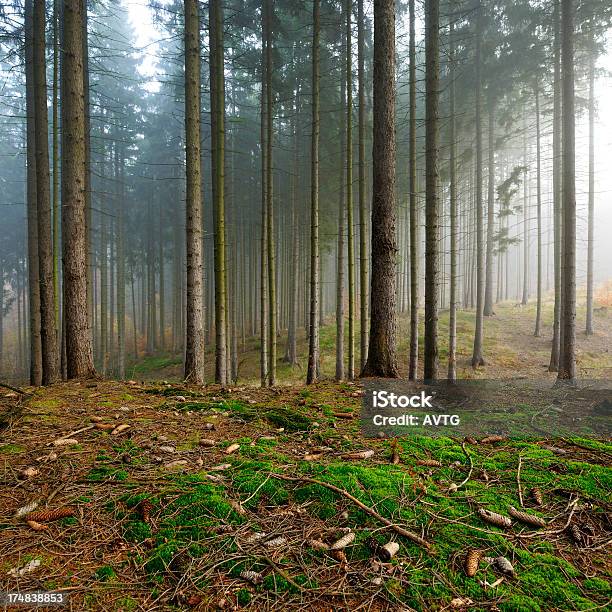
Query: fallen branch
{"points": [[15, 389], [467, 478], [284, 574], [397, 528]]}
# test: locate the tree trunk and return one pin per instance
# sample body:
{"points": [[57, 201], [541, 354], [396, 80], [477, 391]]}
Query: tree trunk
{"points": [[313, 342], [363, 229], [567, 361], [432, 196], [194, 348], [50, 363], [454, 234], [556, 340], [340, 245], [477, 356], [120, 258], [217, 108], [591, 210], [538, 322], [382, 352], [349, 195], [79, 354], [412, 186], [33, 265], [56, 177], [488, 300]]}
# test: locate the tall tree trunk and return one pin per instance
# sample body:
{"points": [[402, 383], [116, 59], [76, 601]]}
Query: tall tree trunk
{"points": [[349, 194], [194, 333], [313, 329], [363, 228], [477, 356], [120, 258], [412, 186], [591, 210], [271, 244], [56, 177], [33, 265], [490, 253], [79, 353], [340, 245], [50, 362], [454, 234], [526, 219], [556, 340], [432, 196], [567, 361], [538, 322], [217, 107], [382, 352]]}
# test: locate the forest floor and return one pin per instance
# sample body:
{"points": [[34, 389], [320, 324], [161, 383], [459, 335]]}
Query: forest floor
{"points": [[168, 513]]}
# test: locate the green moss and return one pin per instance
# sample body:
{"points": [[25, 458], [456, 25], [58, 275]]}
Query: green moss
{"points": [[12, 449], [243, 597], [137, 531], [105, 573]]}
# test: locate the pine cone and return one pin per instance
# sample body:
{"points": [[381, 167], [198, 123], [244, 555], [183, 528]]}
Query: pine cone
{"points": [[491, 439], [495, 519], [339, 556], [343, 542], [144, 508], [251, 576], [504, 566], [429, 462], [45, 516], [524, 517], [537, 496], [471, 561]]}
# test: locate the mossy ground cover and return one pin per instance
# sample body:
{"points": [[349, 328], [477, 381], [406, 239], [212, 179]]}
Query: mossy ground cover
{"points": [[207, 507]]}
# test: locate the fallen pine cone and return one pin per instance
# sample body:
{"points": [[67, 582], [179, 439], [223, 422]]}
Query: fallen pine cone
{"points": [[504, 566], [207, 442], [45, 516], [492, 439], [471, 440], [429, 462], [494, 518], [144, 508], [251, 576], [274, 542], [343, 415], [339, 556], [317, 544], [343, 542], [524, 517], [232, 448], [471, 562], [37, 526], [537, 496], [30, 507], [366, 454], [104, 426], [119, 429], [581, 538]]}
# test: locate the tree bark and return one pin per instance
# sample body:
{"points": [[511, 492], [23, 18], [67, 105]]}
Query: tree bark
{"points": [[33, 265], [194, 333], [313, 342], [432, 196], [382, 352], [538, 323], [79, 354], [567, 361], [412, 186], [454, 237], [349, 195], [490, 256], [477, 356], [591, 206]]}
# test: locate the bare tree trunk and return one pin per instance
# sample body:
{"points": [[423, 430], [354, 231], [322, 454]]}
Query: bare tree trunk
{"points": [[33, 265], [432, 196], [591, 210], [382, 352], [412, 186], [452, 321], [50, 362], [363, 229], [538, 322], [271, 244], [340, 244], [567, 361], [556, 340], [477, 356], [79, 354], [264, 297], [488, 300], [56, 159], [121, 268], [194, 333], [313, 342], [349, 194]]}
